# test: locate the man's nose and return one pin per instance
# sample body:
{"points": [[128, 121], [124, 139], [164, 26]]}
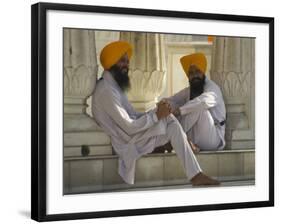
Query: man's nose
{"points": [[126, 65], [192, 75]]}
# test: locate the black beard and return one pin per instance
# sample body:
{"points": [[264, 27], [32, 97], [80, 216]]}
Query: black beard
{"points": [[122, 78], [196, 87]]}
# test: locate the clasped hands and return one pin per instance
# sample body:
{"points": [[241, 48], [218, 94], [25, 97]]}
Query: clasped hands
{"points": [[164, 109]]}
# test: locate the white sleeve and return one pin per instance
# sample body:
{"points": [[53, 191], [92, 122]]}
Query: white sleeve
{"points": [[113, 107], [133, 113], [205, 101], [179, 98]]}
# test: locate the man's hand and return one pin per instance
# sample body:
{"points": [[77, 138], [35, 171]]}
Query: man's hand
{"points": [[163, 109], [164, 100]]}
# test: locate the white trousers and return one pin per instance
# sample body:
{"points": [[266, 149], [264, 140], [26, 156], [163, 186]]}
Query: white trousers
{"points": [[176, 135], [201, 130]]}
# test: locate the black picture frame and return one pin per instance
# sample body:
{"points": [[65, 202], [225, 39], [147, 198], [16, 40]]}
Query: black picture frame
{"points": [[39, 114]]}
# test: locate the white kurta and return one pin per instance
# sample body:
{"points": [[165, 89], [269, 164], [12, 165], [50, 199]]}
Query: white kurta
{"points": [[200, 116], [132, 134]]}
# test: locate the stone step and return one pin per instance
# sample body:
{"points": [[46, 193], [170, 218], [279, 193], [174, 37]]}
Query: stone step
{"points": [[100, 173], [90, 150], [86, 138], [224, 183]]}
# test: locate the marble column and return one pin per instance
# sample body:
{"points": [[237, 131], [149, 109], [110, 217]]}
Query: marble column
{"points": [[233, 69], [147, 69], [82, 136]]}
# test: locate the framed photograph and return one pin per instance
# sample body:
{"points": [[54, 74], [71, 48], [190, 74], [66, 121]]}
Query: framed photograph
{"points": [[141, 111]]}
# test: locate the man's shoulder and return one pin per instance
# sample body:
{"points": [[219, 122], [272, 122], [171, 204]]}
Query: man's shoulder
{"points": [[100, 86], [212, 85], [103, 90], [184, 90]]}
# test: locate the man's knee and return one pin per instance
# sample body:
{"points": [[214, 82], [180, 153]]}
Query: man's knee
{"points": [[171, 118], [196, 115], [205, 118], [174, 125]]}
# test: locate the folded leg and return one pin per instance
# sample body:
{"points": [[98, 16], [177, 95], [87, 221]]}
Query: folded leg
{"points": [[201, 130]]}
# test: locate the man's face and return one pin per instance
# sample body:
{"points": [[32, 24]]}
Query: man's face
{"points": [[196, 81], [195, 75], [123, 64], [120, 72]]}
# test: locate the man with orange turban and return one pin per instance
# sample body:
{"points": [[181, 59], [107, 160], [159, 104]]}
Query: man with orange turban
{"points": [[200, 107], [134, 134]]}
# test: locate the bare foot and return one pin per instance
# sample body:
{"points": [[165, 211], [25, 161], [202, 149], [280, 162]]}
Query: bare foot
{"points": [[202, 179], [194, 147]]}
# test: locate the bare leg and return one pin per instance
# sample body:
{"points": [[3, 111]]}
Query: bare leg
{"points": [[195, 148]]}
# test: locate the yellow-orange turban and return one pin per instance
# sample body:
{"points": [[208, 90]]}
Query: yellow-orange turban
{"points": [[197, 59], [112, 52]]}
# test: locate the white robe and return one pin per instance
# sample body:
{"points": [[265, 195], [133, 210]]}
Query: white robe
{"points": [[200, 116], [134, 134]]}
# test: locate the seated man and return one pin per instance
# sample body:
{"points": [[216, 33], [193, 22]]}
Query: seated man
{"points": [[200, 107], [135, 134]]}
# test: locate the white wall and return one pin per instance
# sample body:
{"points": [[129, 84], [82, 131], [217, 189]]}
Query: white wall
{"points": [[15, 110]]}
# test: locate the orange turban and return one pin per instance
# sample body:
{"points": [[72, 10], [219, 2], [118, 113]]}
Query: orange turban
{"points": [[197, 59], [112, 52]]}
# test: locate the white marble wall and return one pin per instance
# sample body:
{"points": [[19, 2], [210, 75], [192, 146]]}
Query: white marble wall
{"points": [[80, 72], [147, 68], [233, 69]]}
